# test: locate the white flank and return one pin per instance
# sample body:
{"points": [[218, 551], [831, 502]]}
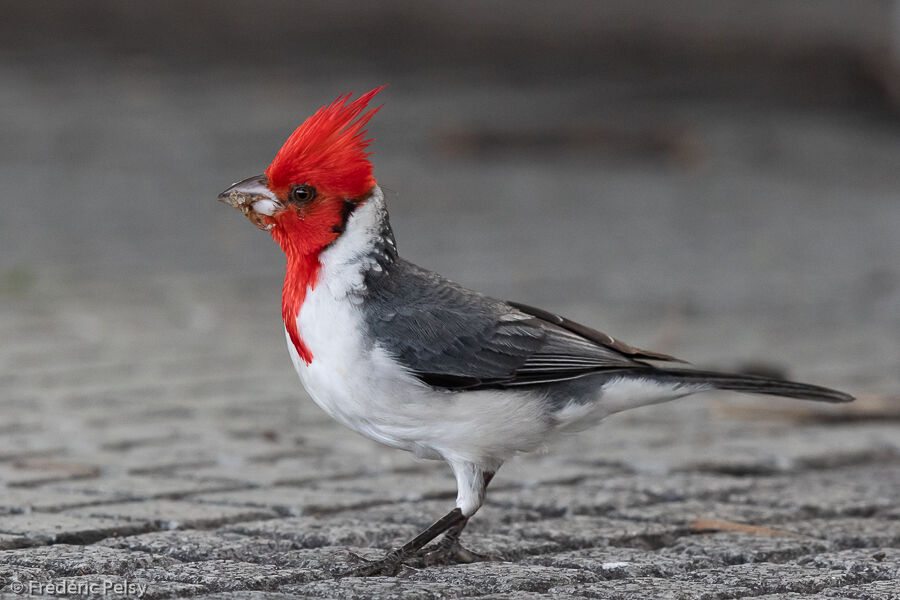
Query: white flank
{"points": [[616, 395]]}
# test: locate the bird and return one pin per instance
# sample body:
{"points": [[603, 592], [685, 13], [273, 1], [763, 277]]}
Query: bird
{"points": [[419, 363]]}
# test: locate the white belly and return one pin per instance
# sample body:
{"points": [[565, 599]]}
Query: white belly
{"points": [[343, 377], [359, 384]]}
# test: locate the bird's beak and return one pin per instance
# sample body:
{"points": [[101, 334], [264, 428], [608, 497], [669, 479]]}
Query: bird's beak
{"points": [[253, 197]]}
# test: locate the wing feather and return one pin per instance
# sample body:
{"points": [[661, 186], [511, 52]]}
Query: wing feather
{"points": [[453, 338]]}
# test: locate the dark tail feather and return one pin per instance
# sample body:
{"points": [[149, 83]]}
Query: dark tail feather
{"points": [[752, 384]]}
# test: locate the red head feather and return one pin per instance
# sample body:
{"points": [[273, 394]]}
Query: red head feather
{"points": [[328, 151]]}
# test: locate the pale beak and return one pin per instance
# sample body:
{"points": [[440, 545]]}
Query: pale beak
{"points": [[253, 197]]}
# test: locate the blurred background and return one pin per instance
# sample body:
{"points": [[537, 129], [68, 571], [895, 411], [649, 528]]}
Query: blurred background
{"points": [[717, 179]]}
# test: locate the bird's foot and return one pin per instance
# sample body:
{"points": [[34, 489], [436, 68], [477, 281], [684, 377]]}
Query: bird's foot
{"points": [[451, 552], [390, 565]]}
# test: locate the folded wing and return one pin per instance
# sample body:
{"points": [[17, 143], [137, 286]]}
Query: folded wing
{"points": [[453, 338]]}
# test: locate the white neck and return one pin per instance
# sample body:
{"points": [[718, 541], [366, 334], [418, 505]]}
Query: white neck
{"points": [[367, 244]]}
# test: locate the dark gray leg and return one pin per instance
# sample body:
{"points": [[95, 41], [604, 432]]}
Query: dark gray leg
{"points": [[449, 550], [390, 564]]}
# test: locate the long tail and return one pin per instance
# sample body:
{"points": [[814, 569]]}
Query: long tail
{"points": [[752, 384]]}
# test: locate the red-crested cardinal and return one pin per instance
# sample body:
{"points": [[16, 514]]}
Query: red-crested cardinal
{"points": [[417, 362]]}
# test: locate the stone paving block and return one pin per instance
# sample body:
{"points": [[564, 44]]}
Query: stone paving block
{"points": [[290, 500], [681, 486], [28, 444], [683, 513], [666, 452], [67, 560], [506, 547], [397, 487], [171, 514], [202, 446], [694, 440], [241, 450], [890, 513], [857, 491], [209, 444], [583, 532], [530, 470], [46, 499], [771, 578], [623, 563], [14, 541], [871, 564], [131, 487], [581, 499], [322, 562], [643, 588], [551, 594], [851, 532], [15, 574], [226, 575], [145, 460], [318, 432], [502, 577], [195, 545], [136, 433], [739, 548], [787, 596], [33, 471], [804, 448], [423, 513], [313, 532], [877, 590], [67, 528], [290, 471], [247, 595], [383, 588]]}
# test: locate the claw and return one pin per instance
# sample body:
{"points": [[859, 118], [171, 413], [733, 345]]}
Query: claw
{"points": [[355, 558], [452, 552], [390, 566]]}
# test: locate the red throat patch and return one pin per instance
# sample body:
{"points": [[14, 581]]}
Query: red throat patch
{"points": [[327, 152], [302, 274]]}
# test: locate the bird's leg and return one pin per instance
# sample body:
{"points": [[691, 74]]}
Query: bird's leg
{"points": [[390, 564], [472, 481], [448, 550]]}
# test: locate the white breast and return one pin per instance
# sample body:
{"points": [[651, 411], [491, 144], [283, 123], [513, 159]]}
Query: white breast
{"points": [[348, 376], [358, 382]]}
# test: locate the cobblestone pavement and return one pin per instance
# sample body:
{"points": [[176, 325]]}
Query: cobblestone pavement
{"points": [[153, 433], [150, 439]]}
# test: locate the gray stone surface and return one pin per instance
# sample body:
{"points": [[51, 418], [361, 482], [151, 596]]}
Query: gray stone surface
{"points": [[153, 434], [226, 482]]}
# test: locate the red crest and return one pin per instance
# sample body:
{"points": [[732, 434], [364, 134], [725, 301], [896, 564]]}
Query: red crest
{"points": [[328, 151]]}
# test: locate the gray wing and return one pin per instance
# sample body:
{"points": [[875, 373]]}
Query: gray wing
{"points": [[454, 338]]}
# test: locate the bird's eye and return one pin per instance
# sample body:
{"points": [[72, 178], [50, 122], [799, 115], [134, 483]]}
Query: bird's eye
{"points": [[303, 193]]}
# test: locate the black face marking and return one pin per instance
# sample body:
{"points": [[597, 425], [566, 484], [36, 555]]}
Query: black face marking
{"points": [[346, 210]]}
